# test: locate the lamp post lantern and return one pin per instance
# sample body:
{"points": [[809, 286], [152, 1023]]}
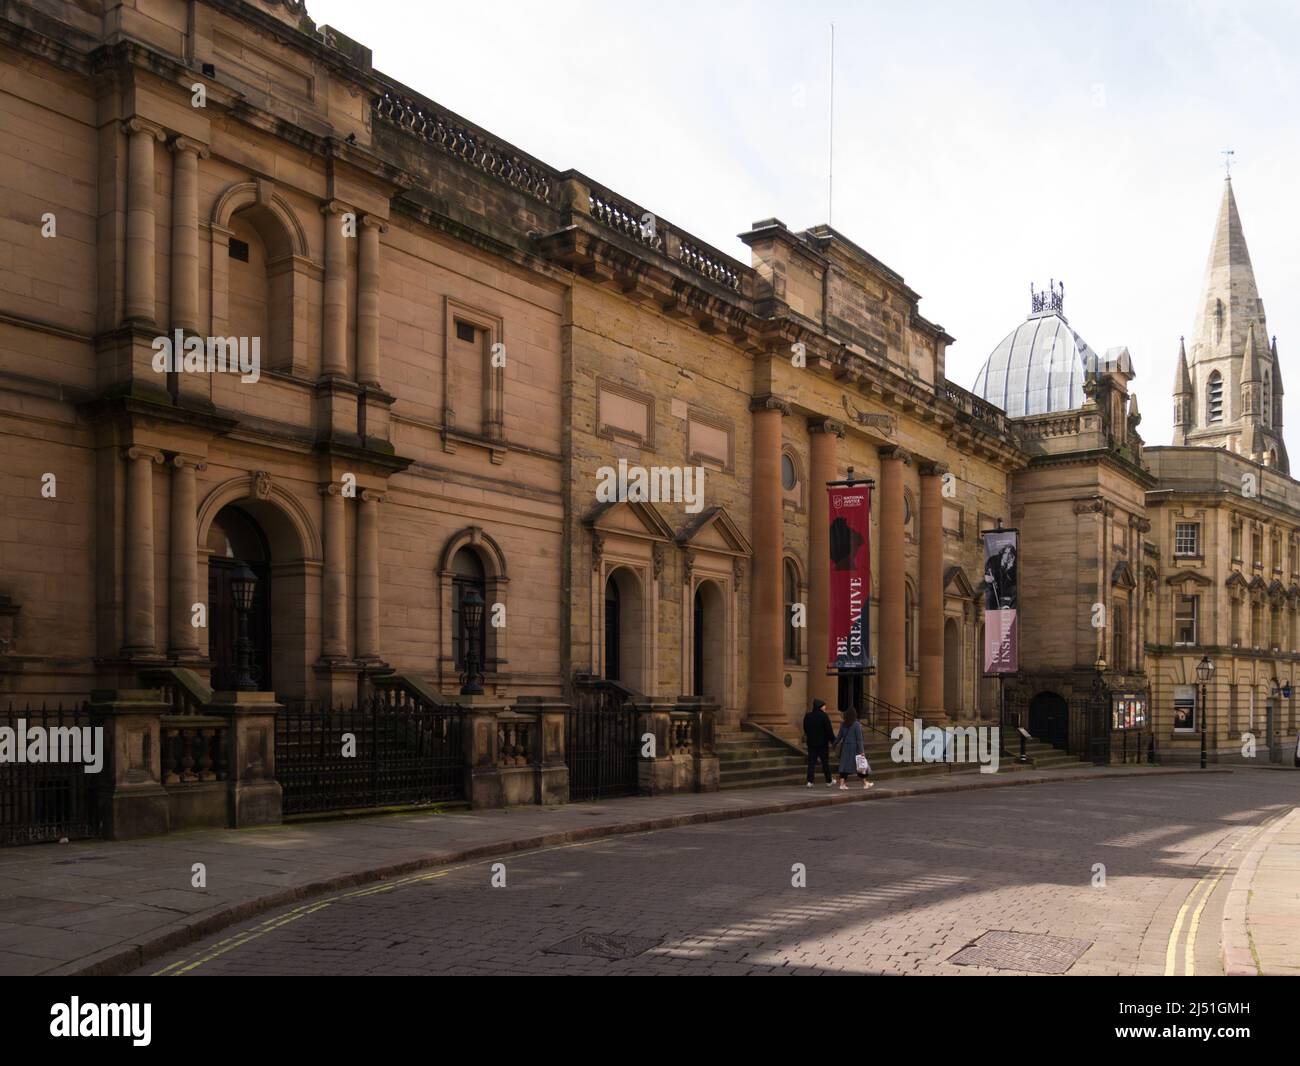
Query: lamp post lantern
{"points": [[1204, 675], [471, 619], [243, 589]]}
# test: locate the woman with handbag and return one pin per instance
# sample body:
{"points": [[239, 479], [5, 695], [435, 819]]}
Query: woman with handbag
{"points": [[853, 751]]}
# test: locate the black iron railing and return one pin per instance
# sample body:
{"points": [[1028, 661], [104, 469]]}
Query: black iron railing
{"points": [[373, 755], [48, 801], [602, 743]]}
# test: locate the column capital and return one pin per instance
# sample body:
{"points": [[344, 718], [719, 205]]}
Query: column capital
{"points": [[829, 426], [932, 468], [373, 496], [181, 143], [335, 207], [768, 402], [330, 488], [137, 451], [180, 460], [374, 222], [893, 451], [143, 125]]}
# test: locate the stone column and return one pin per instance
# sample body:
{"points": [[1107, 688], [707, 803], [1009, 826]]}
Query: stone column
{"points": [[891, 668], [368, 576], [766, 658], [930, 702], [334, 332], [140, 197], [334, 577], [368, 300], [185, 233], [183, 638], [138, 579], [823, 435]]}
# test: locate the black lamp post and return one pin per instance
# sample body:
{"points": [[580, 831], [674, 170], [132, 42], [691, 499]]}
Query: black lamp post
{"points": [[1204, 674], [1102, 737], [243, 587], [471, 618]]}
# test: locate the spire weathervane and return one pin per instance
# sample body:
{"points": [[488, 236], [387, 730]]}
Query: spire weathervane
{"points": [[1227, 153]]}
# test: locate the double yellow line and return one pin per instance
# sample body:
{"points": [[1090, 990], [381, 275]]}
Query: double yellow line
{"points": [[1197, 898]]}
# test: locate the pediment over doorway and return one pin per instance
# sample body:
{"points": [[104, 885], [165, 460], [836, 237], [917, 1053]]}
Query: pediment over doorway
{"points": [[713, 530], [1122, 576], [630, 519], [956, 583]]}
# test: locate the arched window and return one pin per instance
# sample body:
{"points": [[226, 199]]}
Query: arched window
{"points": [[1214, 398], [791, 581], [1235, 635], [467, 573]]}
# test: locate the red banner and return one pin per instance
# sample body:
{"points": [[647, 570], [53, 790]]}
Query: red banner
{"points": [[850, 557], [1001, 601]]}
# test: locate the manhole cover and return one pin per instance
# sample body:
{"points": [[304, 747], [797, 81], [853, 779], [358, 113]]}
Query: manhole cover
{"points": [[603, 945], [1035, 952]]}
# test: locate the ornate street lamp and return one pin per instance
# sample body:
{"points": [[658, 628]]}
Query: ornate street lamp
{"points": [[243, 587], [1099, 727], [471, 618], [1204, 674]]}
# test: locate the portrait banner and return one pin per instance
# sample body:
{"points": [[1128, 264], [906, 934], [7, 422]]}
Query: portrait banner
{"points": [[1001, 601]]}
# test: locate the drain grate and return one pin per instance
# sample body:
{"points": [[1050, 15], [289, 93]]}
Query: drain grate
{"points": [[603, 945], [1002, 949]]}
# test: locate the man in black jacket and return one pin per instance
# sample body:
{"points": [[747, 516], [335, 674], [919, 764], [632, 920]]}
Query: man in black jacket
{"points": [[818, 733]]}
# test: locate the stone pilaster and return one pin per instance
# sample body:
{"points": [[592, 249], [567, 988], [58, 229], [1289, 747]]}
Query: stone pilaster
{"points": [[141, 303], [182, 637], [334, 327], [766, 658], [368, 576], [185, 233], [891, 667], [930, 701], [138, 577], [368, 255], [823, 436], [334, 578]]}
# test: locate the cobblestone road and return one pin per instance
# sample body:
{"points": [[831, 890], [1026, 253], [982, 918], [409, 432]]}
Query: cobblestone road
{"points": [[896, 886]]}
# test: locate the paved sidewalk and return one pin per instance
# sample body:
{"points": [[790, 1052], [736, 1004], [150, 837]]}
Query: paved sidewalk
{"points": [[1261, 916], [98, 907]]}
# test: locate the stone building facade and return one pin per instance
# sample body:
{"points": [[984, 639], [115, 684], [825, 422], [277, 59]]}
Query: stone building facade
{"points": [[456, 342], [459, 345]]}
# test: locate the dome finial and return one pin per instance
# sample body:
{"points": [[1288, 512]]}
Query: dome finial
{"points": [[1046, 302]]}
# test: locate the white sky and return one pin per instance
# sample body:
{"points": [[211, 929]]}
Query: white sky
{"points": [[979, 146]]}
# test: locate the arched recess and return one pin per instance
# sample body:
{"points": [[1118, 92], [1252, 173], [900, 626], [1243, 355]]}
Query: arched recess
{"points": [[952, 663], [624, 653], [292, 560], [792, 598], [496, 584], [254, 213], [709, 666]]}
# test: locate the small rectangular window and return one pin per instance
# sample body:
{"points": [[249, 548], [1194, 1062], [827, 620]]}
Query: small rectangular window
{"points": [[465, 332], [238, 249], [1187, 538]]}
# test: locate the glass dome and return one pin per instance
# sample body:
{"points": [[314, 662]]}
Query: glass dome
{"points": [[1038, 368]]}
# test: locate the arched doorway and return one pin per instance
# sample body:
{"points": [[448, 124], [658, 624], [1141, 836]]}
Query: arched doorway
{"points": [[952, 701], [624, 633], [235, 538], [710, 643], [1049, 719]]}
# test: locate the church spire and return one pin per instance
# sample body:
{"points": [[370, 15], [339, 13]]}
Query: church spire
{"points": [[1229, 297], [1182, 379]]}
